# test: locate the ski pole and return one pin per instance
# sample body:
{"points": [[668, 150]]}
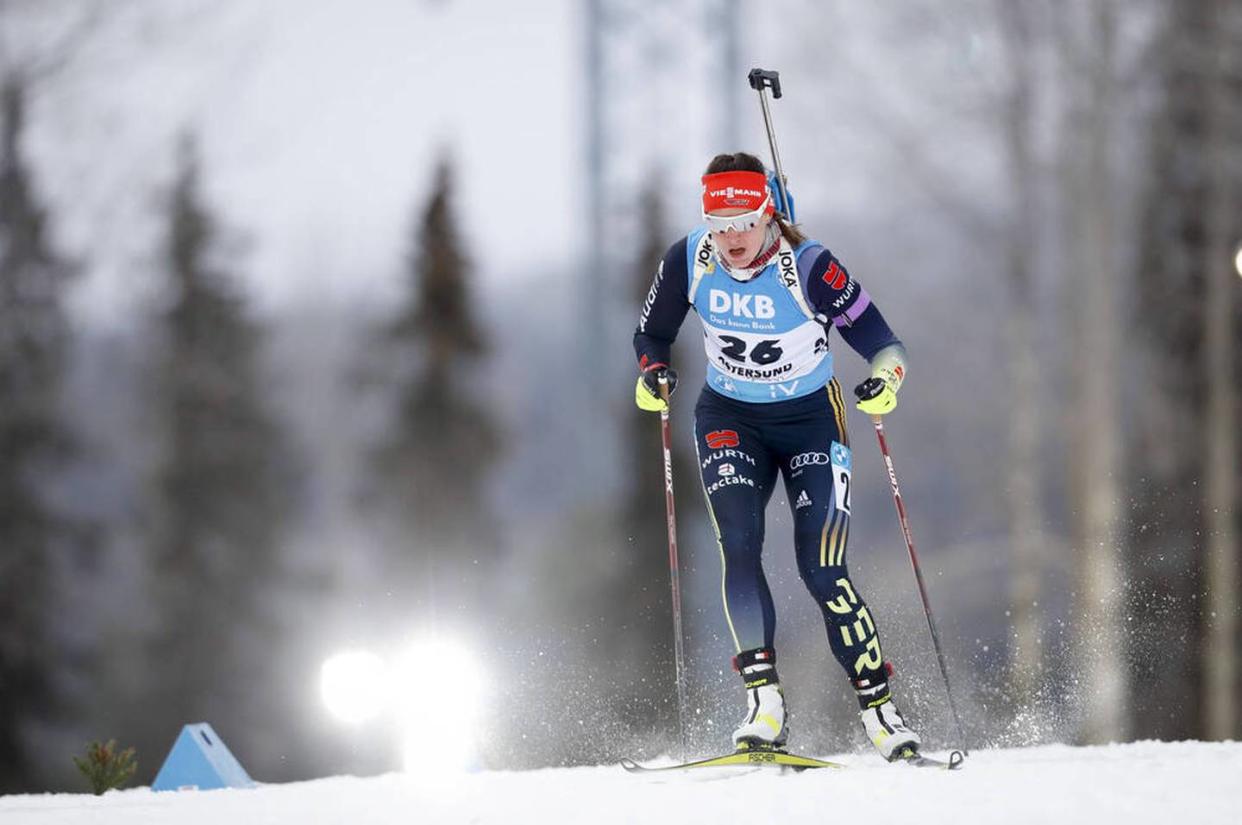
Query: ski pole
{"points": [[760, 81], [918, 573], [666, 433]]}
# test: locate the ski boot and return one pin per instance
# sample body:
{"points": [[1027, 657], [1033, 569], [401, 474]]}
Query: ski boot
{"points": [[882, 721], [764, 727]]}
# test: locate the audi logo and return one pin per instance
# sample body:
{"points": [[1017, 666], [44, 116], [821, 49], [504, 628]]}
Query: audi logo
{"points": [[808, 459]]}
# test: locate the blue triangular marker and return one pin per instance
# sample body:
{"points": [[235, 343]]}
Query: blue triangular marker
{"points": [[200, 759]]}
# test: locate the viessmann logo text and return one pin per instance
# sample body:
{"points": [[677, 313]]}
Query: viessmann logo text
{"points": [[733, 192]]}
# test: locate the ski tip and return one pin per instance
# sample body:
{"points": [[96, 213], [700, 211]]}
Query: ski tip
{"points": [[956, 758]]}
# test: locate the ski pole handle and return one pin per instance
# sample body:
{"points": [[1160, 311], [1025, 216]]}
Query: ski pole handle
{"points": [[764, 78]]}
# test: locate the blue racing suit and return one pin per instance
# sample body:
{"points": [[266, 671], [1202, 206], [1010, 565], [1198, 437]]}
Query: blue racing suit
{"points": [[772, 406]]}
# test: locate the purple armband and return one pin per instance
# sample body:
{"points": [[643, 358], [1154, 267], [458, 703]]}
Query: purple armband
{"points": [[857, 308]]}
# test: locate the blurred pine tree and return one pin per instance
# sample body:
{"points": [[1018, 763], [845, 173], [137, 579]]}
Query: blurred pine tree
{"points": [[220, 492], [34, 441], [432, 465]]}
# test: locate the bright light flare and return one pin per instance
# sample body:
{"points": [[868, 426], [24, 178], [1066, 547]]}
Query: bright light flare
{"points": [[1237, 260], [439, 692], [355, 686]]}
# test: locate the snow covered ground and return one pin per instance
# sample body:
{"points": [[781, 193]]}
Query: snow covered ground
{"points": [[1145, 782]]}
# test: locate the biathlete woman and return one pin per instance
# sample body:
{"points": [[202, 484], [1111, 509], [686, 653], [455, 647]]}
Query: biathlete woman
{"points": [[767, 297]]}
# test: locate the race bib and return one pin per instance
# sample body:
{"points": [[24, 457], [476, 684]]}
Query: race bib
{"points": [[842, 475]]}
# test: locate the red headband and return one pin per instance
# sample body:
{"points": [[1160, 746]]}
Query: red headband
{"points": [[736, 190]]}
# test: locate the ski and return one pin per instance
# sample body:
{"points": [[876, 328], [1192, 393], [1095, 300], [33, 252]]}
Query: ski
{"points": [[753, 758], [793, 761], [911, 757]]}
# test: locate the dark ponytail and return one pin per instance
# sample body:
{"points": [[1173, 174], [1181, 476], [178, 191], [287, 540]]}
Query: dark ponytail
{"points": [[746, 162]]}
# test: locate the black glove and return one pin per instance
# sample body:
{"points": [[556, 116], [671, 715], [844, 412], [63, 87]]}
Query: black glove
{"points": [[876, 396], [652, 376], [647, 392]]}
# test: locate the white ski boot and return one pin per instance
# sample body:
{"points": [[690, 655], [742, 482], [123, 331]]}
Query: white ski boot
{"points": [[883, 722], [764, 726]]}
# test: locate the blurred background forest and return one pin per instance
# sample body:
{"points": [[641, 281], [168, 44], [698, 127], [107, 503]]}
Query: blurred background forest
{"points": [[315, 334]]}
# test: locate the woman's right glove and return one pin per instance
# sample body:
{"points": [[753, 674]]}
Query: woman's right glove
{"points": [[647, 391], [878, 394], [876, 397]]}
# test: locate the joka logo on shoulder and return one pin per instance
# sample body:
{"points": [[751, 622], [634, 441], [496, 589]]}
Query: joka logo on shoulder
{"points": [[719, 439]]}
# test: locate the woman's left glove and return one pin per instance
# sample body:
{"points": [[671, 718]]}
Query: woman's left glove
{"points": [[878, 394], [647, 391]]}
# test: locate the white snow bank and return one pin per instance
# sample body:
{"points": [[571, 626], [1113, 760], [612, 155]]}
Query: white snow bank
{"points": [[1145, 782]]}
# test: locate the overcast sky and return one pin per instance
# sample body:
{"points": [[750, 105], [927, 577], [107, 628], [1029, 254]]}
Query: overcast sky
{"points": [[319, 124]]}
